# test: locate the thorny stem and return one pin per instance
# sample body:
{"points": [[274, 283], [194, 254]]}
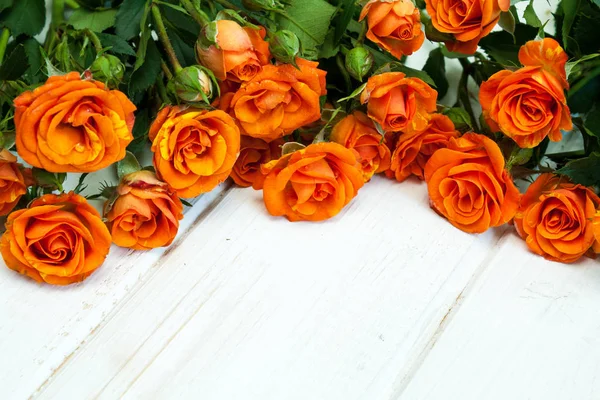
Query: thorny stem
{"points": [[4, 36], [95, 40], [198, 16], [164, 38], [165, 69]]}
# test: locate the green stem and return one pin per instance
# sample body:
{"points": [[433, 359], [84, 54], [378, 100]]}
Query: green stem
{"points": [[58, 12], [364, 28], [95, 40], [72, 4], [4, 36], [198, 15], [342, 67], [227, 4], [165, 69], [463, 91], [162, 91], [164, 38]]}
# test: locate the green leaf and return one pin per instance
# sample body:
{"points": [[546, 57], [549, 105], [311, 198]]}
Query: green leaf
{"points": [[140, 130], [184, 52], [308, 19], [531, 17], [15, 65], [410, 72], [507, 22], [129, 18], [585, 171], [569, 8], [451, 54], [116, 43], [592, 122], [501, 46], [144, 39], [436, 69], [25, 17], [128, 165], [349, 6], [355, 93], [573, 67], [460, 118], [35, 60], [146, 75], [96, 21], [4, 4], [291, 147]]}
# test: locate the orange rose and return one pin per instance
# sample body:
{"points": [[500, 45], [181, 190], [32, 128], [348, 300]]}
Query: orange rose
{"points": [[73, 125], [399, 103], [413, 149], [395, 25], [238, 54], [12, 182], [253, 153], [466, 20], [555, 218], [194, 149], [469, 186], [526, 105], [548, 54], [145, 214], [58, 239], [279, 100], [356, 131], [312, 184]]}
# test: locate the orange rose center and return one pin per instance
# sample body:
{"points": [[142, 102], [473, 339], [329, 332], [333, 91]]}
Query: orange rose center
{"points": [[250, 161], [405, 31], [198, 149], [463, 13], [56, 247]]}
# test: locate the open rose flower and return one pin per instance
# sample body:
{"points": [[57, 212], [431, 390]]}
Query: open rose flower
{"points": [[548, 54], [395, 25], [356, 131], [73, 125], [58, 239], [194, 149], [312, 184], [469, 185], [239, 53], [466, 20], [279, 100], [145, 214], [413, 149], [529, 104], [12, 182], [253, 153], [399, 103], [555, 218]]}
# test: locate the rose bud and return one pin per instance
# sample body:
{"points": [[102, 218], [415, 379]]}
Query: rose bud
{"points": [[193, 84], [262, 5], [108, 69], [145, 214], [359, 62], [285, 46]]}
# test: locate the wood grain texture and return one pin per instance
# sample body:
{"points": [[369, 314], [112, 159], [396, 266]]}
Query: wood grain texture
{"points": [[251, 306]]}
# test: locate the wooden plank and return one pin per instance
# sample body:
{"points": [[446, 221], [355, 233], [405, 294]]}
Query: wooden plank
{"points": [[42, 326], [251, 306], [528, 329]]}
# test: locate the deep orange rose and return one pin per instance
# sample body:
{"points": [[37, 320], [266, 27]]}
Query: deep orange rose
{"points": [[279, 100], [312, 184], [253, 153], [356, 131], [548, 54], [73, 125], [469, 185], [555, 218], [12, 182], [413, 149], [145, 214], [467, 20], [194, 149], [399, 103], [239, 53], [395, 25], [58, 239]]}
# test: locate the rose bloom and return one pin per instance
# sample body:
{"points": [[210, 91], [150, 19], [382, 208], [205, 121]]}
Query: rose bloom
{"points": [[145, 214], [238, 54], [466, 20], [399, 103], [469, 185], [194, 149], [73, 125], [356, 131], [12, 182], [555, 218], [253, 153], [312, 184], [413, 149], [529, 104], [394, 25], [548, 54], [279, 100], [58, 239]]}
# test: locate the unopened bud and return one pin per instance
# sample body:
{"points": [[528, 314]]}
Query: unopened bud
{"points": [[108, 69], [193, 84], [285, 46], [359, 62]]}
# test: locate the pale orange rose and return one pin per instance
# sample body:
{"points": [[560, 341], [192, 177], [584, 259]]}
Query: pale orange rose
{"points": [[395, 25], [413, 149], [73, 125], [238, 54], [12, 182], [194, 149], [399, 103], [279, 100], [466, 20], [253, 153], [555, 218], [357, 132], [58, 239], [312, 184], [469, 185], [145, 214]]}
